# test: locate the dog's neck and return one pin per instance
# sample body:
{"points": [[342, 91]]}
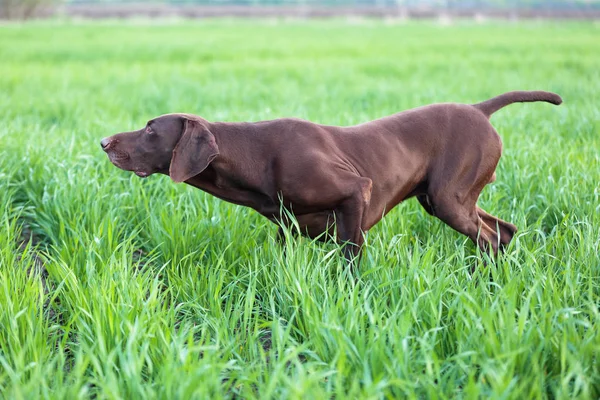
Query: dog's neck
{"points": [[234, 175]]}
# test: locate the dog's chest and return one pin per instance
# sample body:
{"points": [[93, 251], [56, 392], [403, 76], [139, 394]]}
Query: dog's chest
{"points": [[233, 191]]}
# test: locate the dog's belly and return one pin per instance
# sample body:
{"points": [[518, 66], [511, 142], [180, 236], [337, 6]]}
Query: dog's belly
{"points": [[311, 224], [317, 225]]}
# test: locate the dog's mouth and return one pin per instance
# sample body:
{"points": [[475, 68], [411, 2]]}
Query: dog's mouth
{"points": [[123, 161], [117, 157]]}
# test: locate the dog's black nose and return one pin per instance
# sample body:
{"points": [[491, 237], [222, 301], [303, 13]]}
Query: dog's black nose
{"points": [[104, 143]]}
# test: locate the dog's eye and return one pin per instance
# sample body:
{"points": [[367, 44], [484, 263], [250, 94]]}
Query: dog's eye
{"points": [[148, 129]]}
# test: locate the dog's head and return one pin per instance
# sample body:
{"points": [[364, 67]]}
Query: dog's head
{"points": [[179, 145]]}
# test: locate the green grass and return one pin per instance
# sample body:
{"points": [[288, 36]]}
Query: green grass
{"points": [[157, 290]]}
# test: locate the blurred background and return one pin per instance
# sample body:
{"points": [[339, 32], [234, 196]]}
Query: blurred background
{"points": [[303, 8]]}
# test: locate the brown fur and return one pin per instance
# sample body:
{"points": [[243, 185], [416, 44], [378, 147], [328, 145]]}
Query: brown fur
{"points": [[444, 154]]}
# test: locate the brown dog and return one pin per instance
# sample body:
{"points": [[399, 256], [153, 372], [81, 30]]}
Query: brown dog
{"points": [[444, 154]]}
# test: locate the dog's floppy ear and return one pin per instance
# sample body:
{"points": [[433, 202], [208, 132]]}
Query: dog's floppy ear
{"points": [[194, 151]]}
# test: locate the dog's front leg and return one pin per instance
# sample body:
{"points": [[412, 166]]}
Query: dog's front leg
{"points": [[349, 217]]}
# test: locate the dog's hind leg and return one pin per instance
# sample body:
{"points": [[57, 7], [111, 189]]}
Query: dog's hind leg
{"points": [[465, 219], [506, 230], [454, 201]]}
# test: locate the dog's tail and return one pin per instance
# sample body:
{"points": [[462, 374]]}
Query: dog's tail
{"points": [[492, 105]]}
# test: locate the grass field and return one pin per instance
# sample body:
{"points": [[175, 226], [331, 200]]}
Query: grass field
{"points": [[117, 287]]}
